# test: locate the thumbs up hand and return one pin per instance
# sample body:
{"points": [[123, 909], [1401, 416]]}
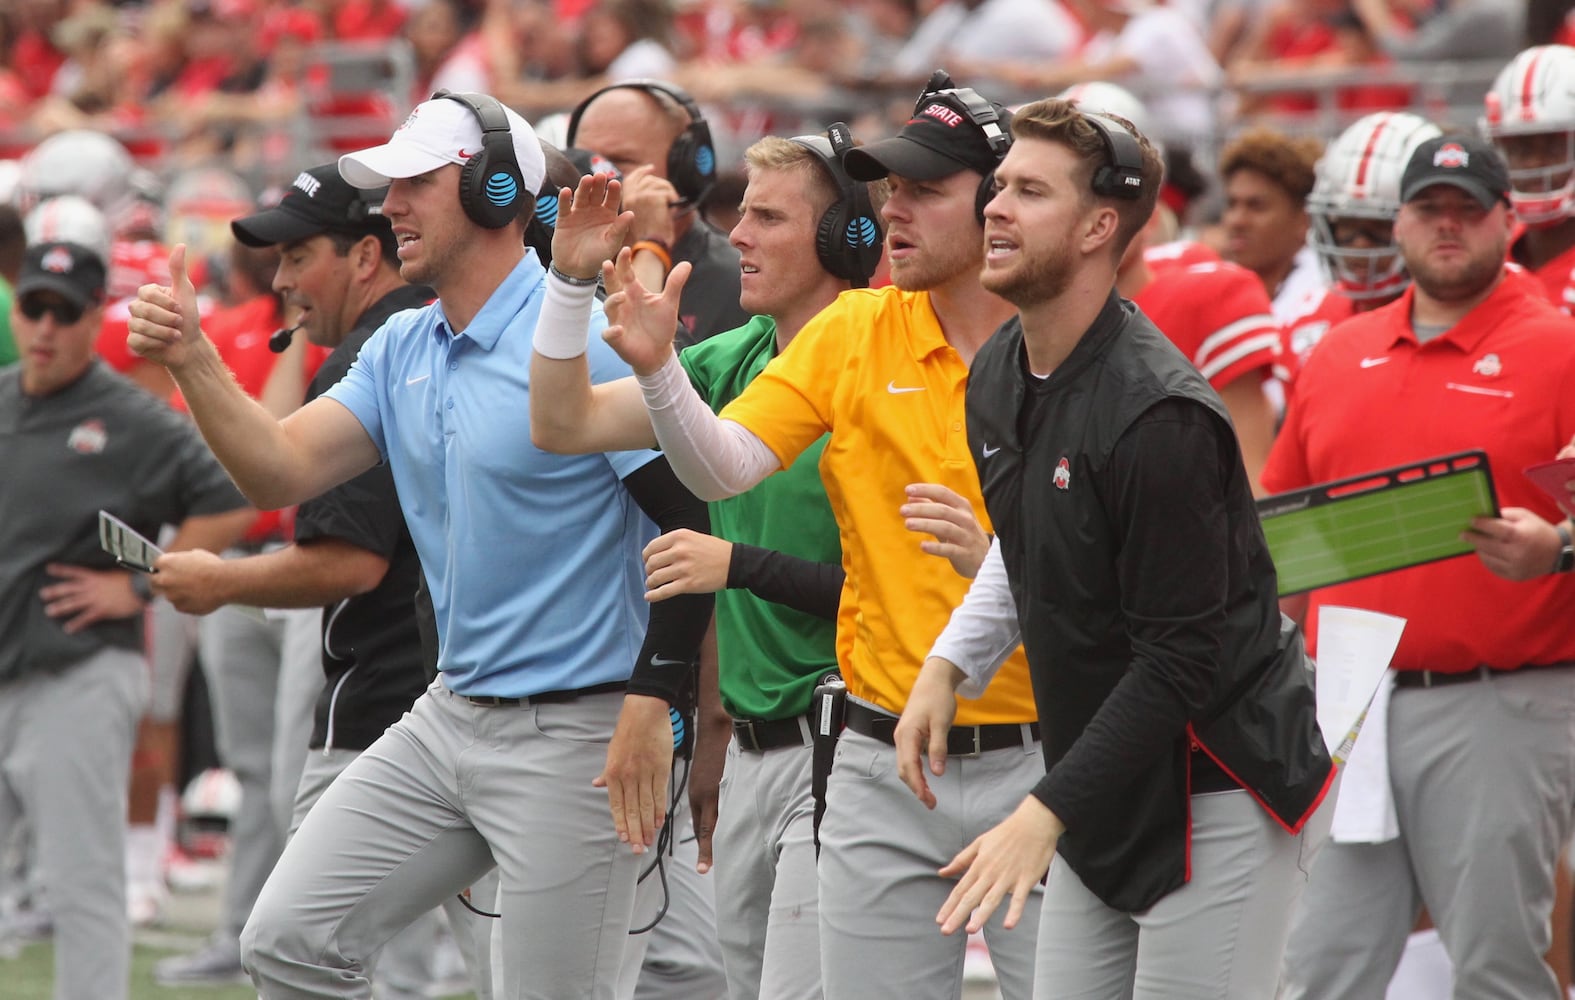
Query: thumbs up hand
{"points": [[164, 318]]}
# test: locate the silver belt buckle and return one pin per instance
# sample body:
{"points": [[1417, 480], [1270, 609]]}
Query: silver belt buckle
{"points": [[977, 740]]}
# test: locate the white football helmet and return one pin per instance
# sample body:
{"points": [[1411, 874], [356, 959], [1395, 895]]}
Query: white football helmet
{"points": [[69, 218], [1535, 96], [82, 162], [1099, 97], [1358, 177]]}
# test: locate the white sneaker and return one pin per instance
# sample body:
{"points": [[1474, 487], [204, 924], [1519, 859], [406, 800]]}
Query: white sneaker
{"points": [[145, 902]]}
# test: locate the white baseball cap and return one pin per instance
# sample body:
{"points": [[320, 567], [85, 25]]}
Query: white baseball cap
{"points": [[440, 131]]}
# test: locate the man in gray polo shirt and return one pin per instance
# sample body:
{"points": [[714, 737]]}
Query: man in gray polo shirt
{"points": [[76, 438]]}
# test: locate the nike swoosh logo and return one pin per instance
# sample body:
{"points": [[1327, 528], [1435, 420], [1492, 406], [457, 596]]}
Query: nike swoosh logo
{"points": [[989, 452], [893, 388], [657, 661], [417, 378], [1373, 362]]}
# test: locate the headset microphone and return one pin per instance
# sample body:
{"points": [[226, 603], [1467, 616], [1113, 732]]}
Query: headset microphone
{"points": [[279, 340]]}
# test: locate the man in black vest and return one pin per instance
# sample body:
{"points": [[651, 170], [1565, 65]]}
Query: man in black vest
{"points": [[1183, 759]]}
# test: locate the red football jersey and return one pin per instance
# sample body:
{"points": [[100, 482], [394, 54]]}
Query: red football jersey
{"points": [[1218, 314], [1557, 276], [1304, 332]]}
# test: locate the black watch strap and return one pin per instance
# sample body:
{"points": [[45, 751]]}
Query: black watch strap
{"points": [[1566, 560], [141, 586]]}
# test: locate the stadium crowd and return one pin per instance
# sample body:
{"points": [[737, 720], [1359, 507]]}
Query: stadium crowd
{"points": [[549, 618]]}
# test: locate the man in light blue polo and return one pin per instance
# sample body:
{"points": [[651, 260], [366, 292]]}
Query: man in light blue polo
{"points": [[533, 564]]}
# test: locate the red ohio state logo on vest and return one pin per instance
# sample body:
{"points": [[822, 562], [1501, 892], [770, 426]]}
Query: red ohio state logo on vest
{"points": [[1063, 475]]}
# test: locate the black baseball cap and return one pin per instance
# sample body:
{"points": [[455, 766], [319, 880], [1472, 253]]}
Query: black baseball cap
{"points": [[939, 140], [71, 270], [1463, 161], [317, 201]]}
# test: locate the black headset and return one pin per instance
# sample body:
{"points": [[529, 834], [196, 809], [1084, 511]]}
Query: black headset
{"points": [[490, 184], [691, 159], [366, 206], [847, 241], [988, 118], [1122, 177]]}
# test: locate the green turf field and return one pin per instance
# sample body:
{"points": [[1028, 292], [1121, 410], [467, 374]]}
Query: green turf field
{"points": [[28, 977], [1375, 532]]}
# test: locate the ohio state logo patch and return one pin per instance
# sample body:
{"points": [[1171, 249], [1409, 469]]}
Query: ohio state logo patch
{"points": [[57, 261], [1451, 154], [1487, 366], [1063, 475], [88, 437]]}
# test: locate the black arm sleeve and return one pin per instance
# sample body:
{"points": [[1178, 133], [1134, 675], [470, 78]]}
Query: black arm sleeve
{"points": [[667, 660], [814, 588]]}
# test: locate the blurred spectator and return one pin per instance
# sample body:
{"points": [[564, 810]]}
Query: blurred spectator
{"points": [[627, 39], [973, 37], [526, 44], [1439, 30], [821, 56], [1297, 38], [448, 50], [883, 28], [616, 40], [366, 20], [216, 39], [81, 37], [1268, 177], [1153, 50], [103, 84], [740, 31], [34, 57], [251, 121]]}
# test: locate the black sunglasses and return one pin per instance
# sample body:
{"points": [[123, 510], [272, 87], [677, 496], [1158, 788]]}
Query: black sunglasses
{"points": [[65, 313]]}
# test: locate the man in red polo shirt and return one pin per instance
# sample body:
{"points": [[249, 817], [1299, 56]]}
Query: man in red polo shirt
{"points": [[1481, 736]]}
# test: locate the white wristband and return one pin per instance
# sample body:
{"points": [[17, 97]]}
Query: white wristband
{"points": [[564, 325]]}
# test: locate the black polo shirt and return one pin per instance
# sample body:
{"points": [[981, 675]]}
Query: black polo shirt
{"points": [[371, 649]]}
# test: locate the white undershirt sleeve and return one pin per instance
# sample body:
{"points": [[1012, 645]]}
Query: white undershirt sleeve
{"points": [[983, 631], [715, 458]]}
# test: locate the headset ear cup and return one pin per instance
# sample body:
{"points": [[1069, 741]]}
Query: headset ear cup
{"points": [[862, 234], [691, 163], [681, 172], [985, 194], [829, 244], [470, 181], [489, 193]]}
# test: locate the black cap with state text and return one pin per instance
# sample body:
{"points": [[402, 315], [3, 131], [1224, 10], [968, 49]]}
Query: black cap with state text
{"points": [[1461, 161], [317, 201], [70, 270], [940, 139]]}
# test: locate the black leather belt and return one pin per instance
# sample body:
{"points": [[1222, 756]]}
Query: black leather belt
{"points": [[961, 741], [760, 735], [1433, 679], [545, 697]]}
